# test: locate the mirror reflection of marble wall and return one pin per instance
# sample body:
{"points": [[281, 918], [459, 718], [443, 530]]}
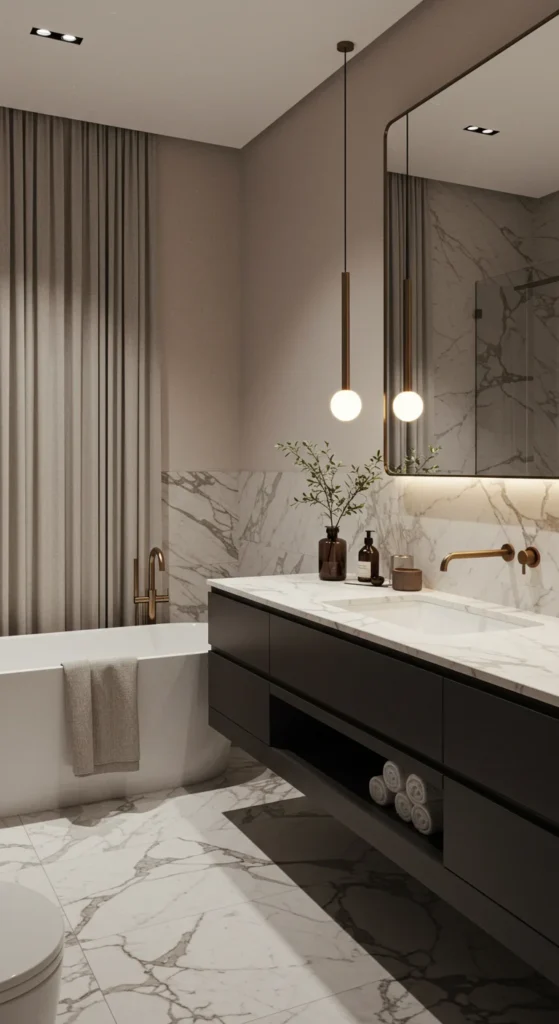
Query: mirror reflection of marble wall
{"points": [[489, 363]]}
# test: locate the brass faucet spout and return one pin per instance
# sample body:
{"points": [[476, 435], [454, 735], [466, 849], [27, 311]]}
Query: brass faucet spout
{"points": [[506, 552], [155, 553], [152, 598]]}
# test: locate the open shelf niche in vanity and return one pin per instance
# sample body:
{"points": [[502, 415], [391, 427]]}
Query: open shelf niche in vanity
{"points": [[325, 710]]}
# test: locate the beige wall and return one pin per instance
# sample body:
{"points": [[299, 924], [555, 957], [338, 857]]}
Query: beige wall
{"points": [[198, 217], [292, 227]]}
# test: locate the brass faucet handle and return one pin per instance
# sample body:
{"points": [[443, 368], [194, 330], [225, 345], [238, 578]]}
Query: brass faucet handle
{"points": [[529, 557]]}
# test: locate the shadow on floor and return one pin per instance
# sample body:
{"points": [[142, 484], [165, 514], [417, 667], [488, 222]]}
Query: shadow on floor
{"points": [[456, 972]]}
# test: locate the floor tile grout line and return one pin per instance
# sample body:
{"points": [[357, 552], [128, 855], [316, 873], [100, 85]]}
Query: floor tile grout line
{"points": [[319, 999], [97, 982], [288, 887]]}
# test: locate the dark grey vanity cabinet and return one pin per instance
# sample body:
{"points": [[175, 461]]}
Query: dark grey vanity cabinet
{"points": [[503, 855], [325, 711], [239, 630], [507, 747], [392, 698], [240, 695]]}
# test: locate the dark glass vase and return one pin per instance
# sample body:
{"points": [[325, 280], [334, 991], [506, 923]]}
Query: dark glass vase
{"points": [[332, 556]]}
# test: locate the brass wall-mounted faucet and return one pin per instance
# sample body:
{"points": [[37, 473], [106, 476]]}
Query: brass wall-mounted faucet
{"points": [[151, 598], [506, 552]]}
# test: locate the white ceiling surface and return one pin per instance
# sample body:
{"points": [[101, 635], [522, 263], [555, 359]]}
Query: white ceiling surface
{"points": [[217, 71], [515, 92]]}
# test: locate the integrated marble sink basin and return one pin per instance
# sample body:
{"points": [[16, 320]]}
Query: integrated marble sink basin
{"points": [[429, 616]]}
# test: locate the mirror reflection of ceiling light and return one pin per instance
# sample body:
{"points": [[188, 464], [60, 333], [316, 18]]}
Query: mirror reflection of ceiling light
{"points": [[61, 37], [481, 131]]}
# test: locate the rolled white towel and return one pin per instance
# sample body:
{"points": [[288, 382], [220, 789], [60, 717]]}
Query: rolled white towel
{"points": [[380, 792], [394, 777], [403, 806], [419, 791], [428, 818]]}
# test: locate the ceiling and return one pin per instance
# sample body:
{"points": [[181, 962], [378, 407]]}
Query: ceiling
{"points": [[215, 71], [515, 92]]}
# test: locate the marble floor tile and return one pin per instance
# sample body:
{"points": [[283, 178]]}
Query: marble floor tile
{"points": [[81, 1000], [449, 965], [231, 965], [382, 1002], [241, 900], [19, 861], [126, 889], [145, 821]]}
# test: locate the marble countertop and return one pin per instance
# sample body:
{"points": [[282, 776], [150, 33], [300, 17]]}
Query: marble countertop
{"points": [[524, 659]]}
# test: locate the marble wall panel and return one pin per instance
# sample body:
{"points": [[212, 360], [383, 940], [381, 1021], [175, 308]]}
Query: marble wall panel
{"points": [[200, 515], [427, 517]]}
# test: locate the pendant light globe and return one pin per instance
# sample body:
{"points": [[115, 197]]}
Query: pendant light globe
{"points": [[345, 405], [407, 406]]}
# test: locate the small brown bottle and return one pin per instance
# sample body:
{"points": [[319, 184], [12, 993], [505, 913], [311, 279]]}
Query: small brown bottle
{"points": [[368, 564]]}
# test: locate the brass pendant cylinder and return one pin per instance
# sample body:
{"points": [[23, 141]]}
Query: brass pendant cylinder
{"points": [[407, 324], [345, 331]]}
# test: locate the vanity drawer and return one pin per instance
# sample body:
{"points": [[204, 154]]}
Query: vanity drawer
{"points": [[381, 693], [504, 746], [240, 695], [504, 856], [239, 630]]}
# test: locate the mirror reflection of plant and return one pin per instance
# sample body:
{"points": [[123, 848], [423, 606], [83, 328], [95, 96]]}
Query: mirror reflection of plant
{"points": [[415, 464], [322, 471]]}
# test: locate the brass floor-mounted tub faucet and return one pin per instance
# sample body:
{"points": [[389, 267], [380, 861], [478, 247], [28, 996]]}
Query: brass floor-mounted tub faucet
{"points": [[151, 597]]}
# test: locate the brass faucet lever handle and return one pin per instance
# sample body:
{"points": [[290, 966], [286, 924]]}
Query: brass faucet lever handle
{"points": [[529, 557]]}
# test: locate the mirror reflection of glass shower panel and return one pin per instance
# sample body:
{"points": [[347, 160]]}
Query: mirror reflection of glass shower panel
{"points": [[502, 395], [517, 365]]}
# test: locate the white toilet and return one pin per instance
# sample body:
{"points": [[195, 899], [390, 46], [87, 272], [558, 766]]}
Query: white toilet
{"points": [[31, 951]]}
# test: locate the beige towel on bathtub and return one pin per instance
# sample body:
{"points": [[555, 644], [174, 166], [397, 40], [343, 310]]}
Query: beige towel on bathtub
{"points": [[102, 712]]}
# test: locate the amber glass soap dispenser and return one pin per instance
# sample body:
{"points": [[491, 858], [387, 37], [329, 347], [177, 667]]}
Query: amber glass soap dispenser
{"points": [[368, 564]]}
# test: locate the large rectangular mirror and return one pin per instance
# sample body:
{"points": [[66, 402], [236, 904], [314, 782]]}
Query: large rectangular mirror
{"points": [[472, 269]]}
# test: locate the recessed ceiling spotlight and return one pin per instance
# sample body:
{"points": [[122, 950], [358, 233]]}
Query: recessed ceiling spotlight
{"points": [[481, 131], [62, 37]]}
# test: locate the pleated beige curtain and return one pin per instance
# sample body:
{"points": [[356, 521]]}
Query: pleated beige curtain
{"points": [[418, 435], [79, 383]]}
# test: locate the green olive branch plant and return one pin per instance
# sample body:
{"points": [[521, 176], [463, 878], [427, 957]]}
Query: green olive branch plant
{"points": [[322, 470]]}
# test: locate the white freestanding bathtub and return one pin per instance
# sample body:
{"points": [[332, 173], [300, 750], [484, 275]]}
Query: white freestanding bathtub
{"points": [[177, 746]]}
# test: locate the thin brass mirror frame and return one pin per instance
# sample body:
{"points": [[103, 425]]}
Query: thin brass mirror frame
{"points": [[447, 85]]}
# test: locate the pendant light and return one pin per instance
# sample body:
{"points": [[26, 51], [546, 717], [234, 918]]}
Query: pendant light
{"points": [[345, 404], [408, 405]]}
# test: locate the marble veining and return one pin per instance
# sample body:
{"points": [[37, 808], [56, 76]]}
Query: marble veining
{"points": [[524, 659], [200, 515], [473, 235], [427, 517], [346, 938]]}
